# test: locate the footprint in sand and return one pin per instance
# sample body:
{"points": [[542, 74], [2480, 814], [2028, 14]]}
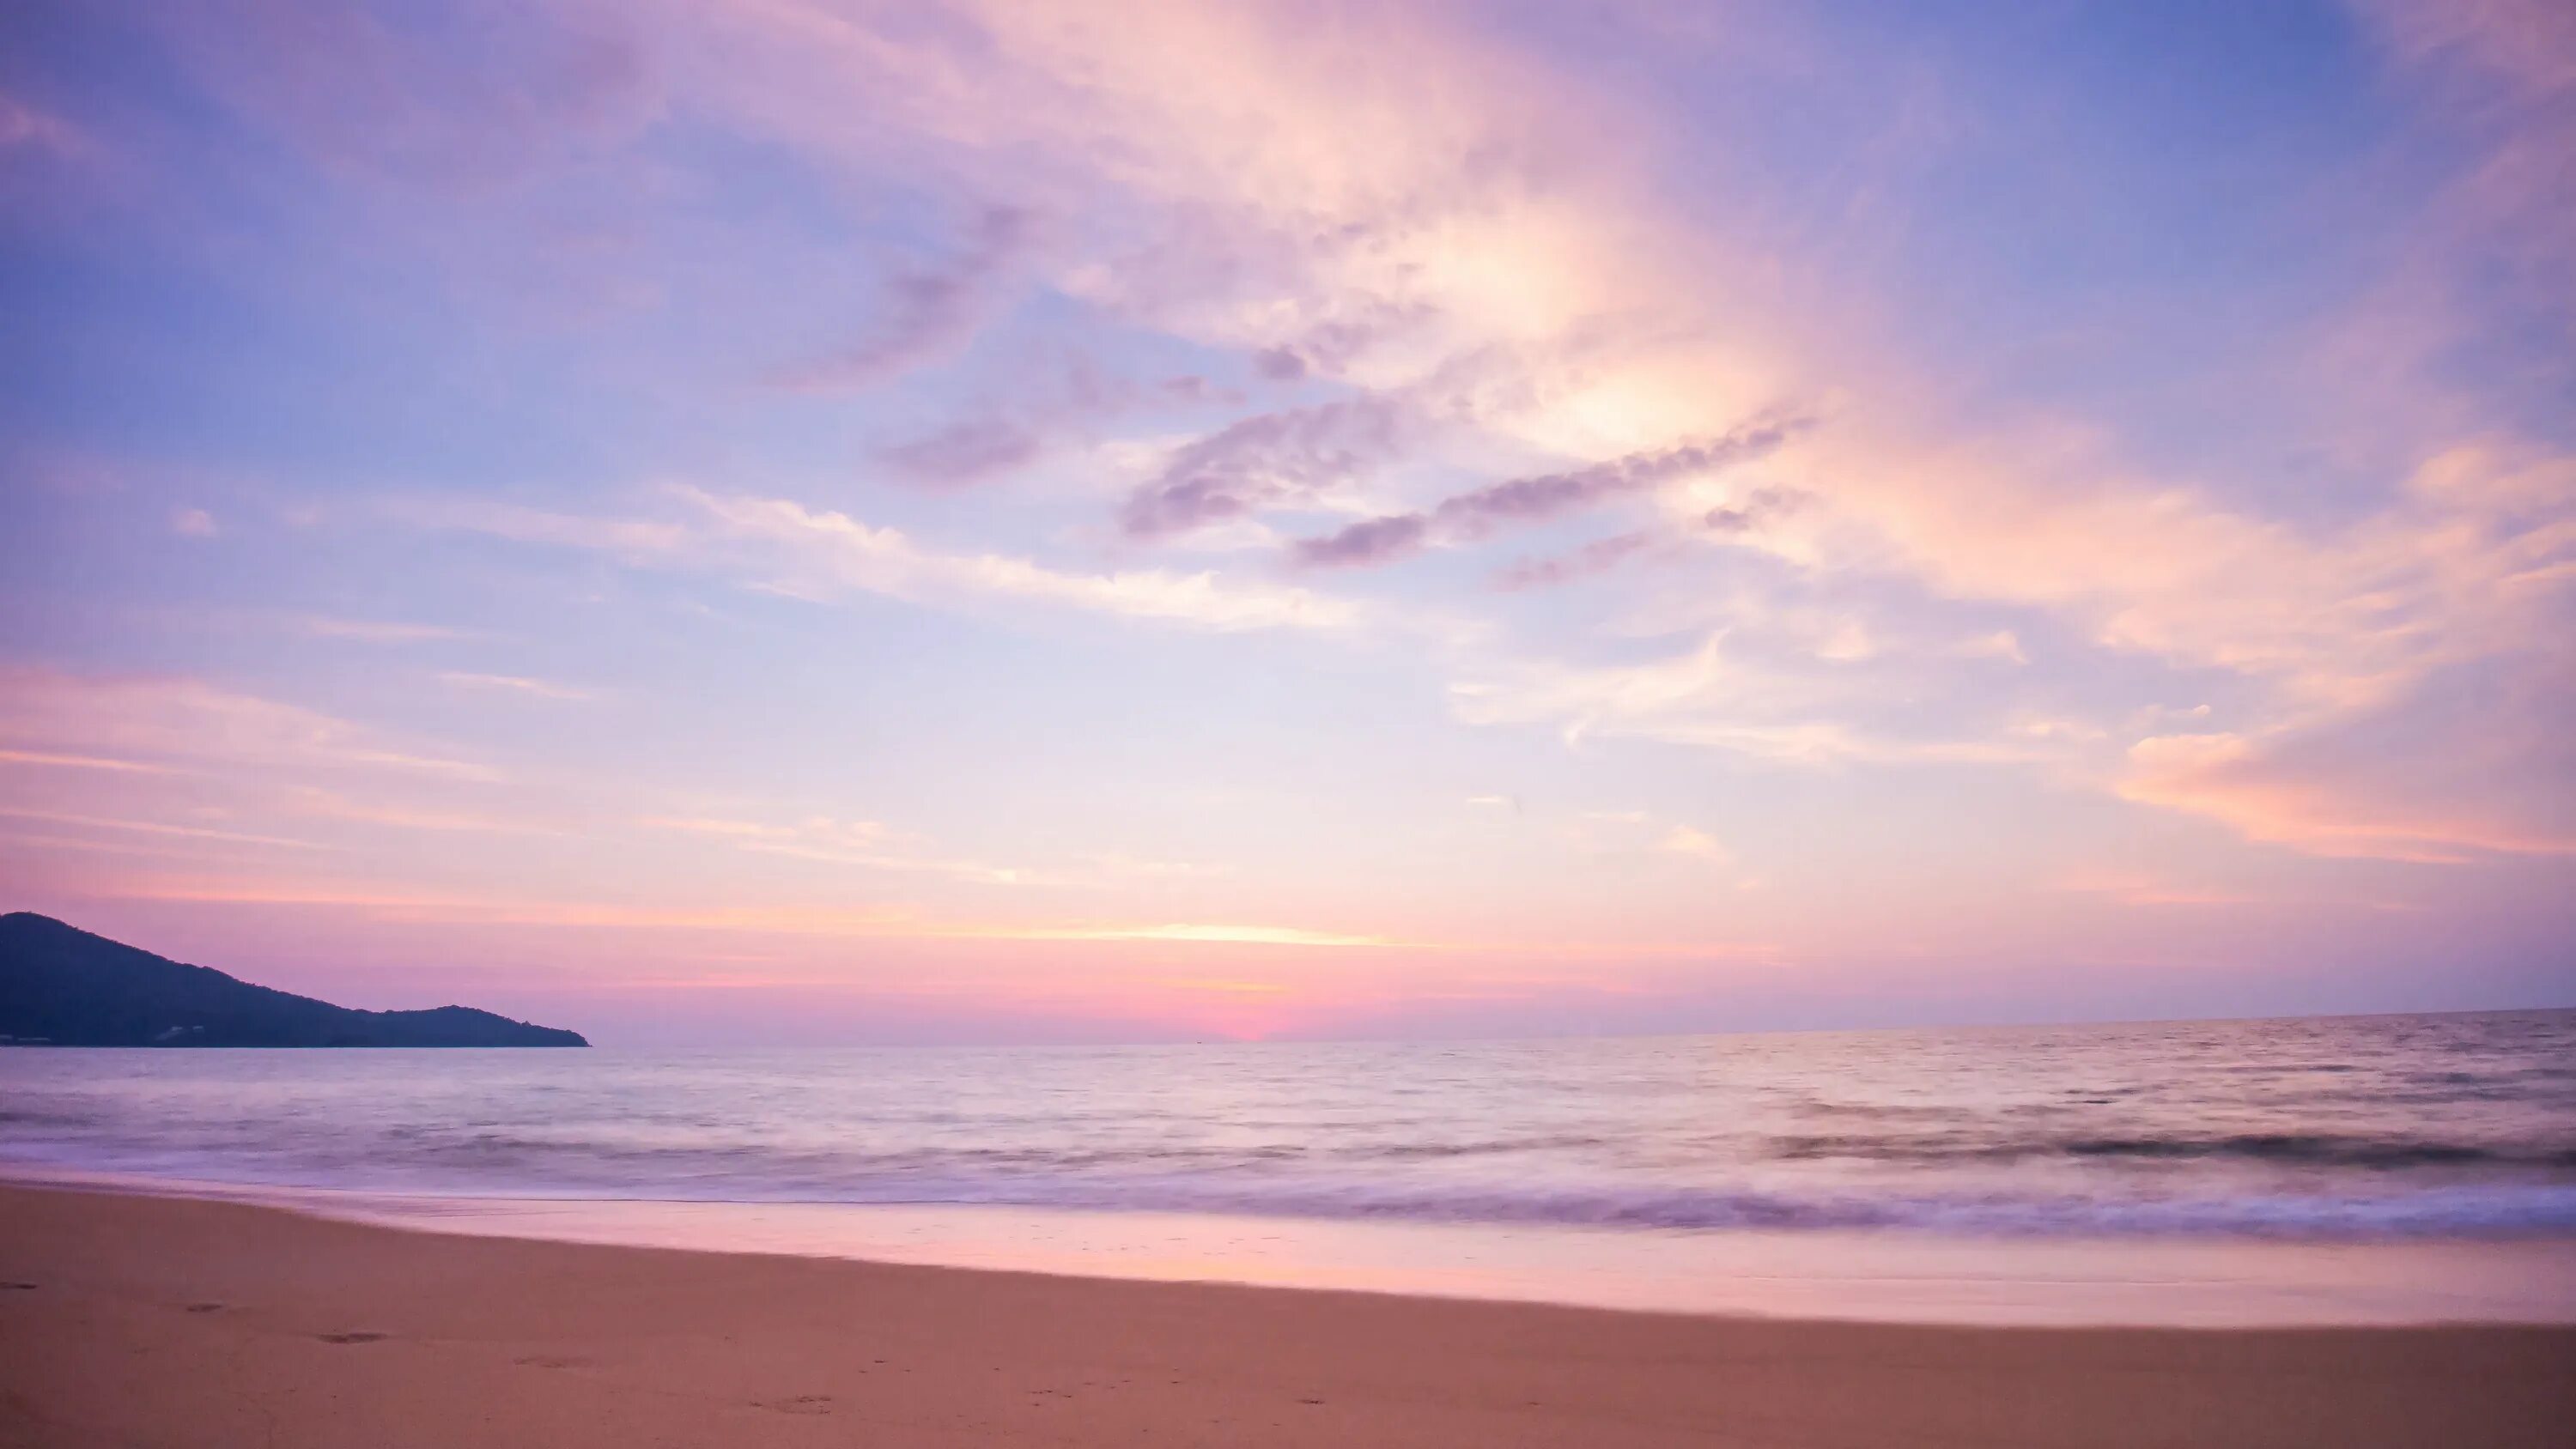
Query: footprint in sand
{"points": [[21, 1287], [359, 1335], [551, 1361], [205, 1308], [801, 1404]]}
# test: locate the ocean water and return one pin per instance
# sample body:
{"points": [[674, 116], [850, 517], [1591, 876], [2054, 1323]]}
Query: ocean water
{"points": [[2334, 1129]]}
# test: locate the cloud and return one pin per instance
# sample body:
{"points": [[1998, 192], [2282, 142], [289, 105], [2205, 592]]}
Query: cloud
{"points": [[2002, 644], [2477, 763], [374, 631], [24, 125], [735, 829], [466, 100], [1233, 935], [1690, 841], [1712, 700], [166, 722], [966, 452], [79, 762], [192, 523], [511, 683], [783, 546], [826, 552], [1263, 461], [2503, 73], [1042, 406], [634, 538], [152, 827], [1371, 541], [929, 312], [871, 845], [1597, 557], [2136, 888], [1758, 507], [333, 805], [1529, 500], [2532, 42], [1471, 516]]}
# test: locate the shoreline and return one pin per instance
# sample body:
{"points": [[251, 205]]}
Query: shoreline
{"points": [[172, 1320], [1876, 1276]]}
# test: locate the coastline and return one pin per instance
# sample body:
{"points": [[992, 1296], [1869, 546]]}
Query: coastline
{"points": [[169, 1320], [1878, 1276]]}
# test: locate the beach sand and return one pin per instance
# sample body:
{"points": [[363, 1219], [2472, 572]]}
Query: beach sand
{"points": [[137, 1321]]}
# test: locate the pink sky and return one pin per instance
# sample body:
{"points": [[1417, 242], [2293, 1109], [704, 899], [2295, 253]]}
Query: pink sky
{"points": [[783, 520]]}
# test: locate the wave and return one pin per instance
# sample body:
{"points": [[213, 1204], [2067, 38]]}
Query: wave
{"points": [[2319, 1149], [2464, 1211], [2467, 1130]]}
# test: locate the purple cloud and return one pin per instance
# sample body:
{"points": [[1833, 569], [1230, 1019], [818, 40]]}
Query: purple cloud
{"points": [[1758, 508], [1529, 500], [966, 452], [1475, 514], [1373, 541], [1264, 460], [927, 313], [1599, 556], [1047, 402]]}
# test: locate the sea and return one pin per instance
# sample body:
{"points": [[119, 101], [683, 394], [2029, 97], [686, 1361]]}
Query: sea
{"points": [[2383, 1168]]}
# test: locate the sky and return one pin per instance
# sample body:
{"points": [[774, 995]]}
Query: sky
{"points": [[792, 521]]}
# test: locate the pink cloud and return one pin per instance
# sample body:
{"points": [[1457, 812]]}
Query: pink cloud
{"points": [[2477, 764]]}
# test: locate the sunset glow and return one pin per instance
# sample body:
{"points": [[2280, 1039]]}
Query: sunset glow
{"points": [[782, 520]]}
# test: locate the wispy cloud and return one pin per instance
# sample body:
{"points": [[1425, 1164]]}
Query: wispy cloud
{"points": [[54, 760], [1231, 935], [2271, 792], [512, 684], [1691, 841], [822, 552], [1473, 515], [1597, 557], [155, 827], [315, 801], [23, 125], [866, 844], [786, 547], [166, 721], [1264, 461], [964, 452], [927, 312], [373, 631]]}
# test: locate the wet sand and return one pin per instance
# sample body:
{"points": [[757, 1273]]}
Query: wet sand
{"points": [[165, 1322]]}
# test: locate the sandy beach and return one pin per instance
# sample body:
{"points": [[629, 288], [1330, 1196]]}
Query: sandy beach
{"points": [[163, 1322]]}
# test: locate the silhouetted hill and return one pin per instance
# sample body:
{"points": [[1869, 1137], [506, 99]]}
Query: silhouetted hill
{"points": [[62, 986]]}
